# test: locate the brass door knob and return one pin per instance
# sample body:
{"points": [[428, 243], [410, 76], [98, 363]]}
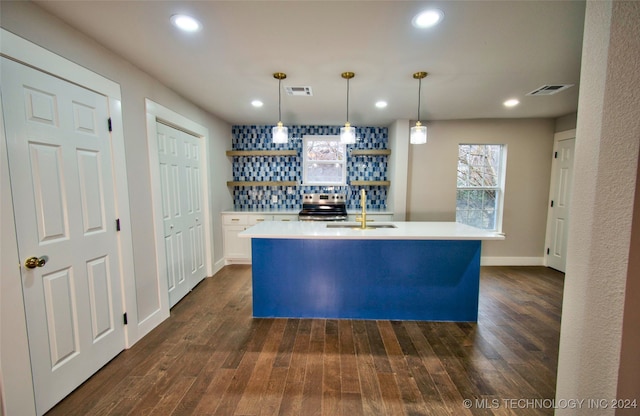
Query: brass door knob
{"points": [[33, 262]]}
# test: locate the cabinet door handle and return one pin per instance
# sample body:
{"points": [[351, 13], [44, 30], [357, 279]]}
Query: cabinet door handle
{"points": [[235, 219]]}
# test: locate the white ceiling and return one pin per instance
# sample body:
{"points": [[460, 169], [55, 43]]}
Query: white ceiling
{"points": [[481, 54]]}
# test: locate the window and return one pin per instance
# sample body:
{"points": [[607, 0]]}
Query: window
{"points": [[480, 185], [324, 161]]}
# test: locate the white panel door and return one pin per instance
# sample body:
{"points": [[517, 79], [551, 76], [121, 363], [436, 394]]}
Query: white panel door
{"points": [[560, 202], [182, 201], [61, 170]]}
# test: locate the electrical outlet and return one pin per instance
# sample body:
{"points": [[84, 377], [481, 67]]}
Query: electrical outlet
{"points": [[274, 199]]}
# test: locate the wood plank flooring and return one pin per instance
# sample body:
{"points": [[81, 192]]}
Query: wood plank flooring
{"points": [[212, 358]]}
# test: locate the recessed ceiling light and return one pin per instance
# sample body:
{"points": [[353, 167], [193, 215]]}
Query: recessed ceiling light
{"points": [[511, 103], [257, 103], [381, 104], [186, 23], [427, 18]]}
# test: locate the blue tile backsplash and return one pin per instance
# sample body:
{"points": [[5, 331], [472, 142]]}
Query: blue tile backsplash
{"points": [[289, 168]]}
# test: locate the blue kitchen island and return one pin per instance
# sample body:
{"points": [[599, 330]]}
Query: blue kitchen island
{"points": [[424, 271]]}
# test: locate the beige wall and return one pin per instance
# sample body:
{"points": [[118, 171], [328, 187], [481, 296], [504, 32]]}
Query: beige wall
{"points": [[628, 377], [432, 180], [34, 24], [599, 317], [568, 122]]}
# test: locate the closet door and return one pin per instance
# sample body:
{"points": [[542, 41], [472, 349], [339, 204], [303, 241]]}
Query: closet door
{"points": [[62, 181], [182, 209]]}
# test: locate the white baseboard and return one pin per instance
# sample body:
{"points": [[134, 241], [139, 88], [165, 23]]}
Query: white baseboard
{"points": [[236, 261], [217, 266], [512, 261]]}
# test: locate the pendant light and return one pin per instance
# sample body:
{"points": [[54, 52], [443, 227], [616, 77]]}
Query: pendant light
{"points": [[348, 133], [418, 133], [280, 133]]}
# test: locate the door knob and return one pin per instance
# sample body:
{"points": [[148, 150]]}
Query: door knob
{"points": [[33, 262]]}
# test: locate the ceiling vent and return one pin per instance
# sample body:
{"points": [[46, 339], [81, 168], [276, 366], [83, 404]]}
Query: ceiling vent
{"points": [[550, 89], [299, 91]]}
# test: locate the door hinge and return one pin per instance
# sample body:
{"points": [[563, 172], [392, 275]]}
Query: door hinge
{"points": [[124, 318], [555, 155], [109, 124], [117, 224], [547, 254], [552, 203]]}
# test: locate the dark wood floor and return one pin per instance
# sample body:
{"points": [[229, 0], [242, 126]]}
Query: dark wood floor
{"points": [[212, 358]]}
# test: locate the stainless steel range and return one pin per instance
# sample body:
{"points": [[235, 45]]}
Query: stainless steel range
{"points": [[323, 207]]}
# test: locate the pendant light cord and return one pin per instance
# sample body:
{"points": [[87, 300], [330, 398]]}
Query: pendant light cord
{"points": [[279, 99], [347, 100], [419, 89]]}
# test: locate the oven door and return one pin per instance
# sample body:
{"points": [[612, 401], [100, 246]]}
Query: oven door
{"points": [[319, 212], [311, 217]]}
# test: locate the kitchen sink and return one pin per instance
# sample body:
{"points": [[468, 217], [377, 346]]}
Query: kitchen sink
{"points": [[357, 227]]}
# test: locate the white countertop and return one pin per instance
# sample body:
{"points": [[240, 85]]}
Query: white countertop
{"points": [[262, 211], [412, 230], [296, 211]]}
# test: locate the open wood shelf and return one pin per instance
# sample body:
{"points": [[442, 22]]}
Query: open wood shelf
{"points": [[372, 152], [262, 152], [262, 183], [370, 183]]}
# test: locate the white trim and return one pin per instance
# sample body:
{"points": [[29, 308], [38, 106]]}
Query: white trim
{"points": [[28, 53], [500, 189], [512, 261], [327, 137], [398, 169], [217, 266], [564, 135], [125, 238], [158, 113], [20, 50]]}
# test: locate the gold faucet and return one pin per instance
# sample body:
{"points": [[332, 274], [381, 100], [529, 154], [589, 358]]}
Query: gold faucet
{"points": [[362, 219]]}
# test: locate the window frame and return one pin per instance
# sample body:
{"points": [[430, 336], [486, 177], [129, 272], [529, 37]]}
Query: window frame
{"points": [[499, 188], [334, 138]]}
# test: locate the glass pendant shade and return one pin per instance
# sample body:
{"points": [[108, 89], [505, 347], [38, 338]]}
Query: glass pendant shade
{"points": [[418, 134], [348, 134], [280, 133]]}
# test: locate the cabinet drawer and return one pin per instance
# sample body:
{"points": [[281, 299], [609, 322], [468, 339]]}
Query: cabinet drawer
{"points": [[256, 218], [233, 219], [285, 217]]}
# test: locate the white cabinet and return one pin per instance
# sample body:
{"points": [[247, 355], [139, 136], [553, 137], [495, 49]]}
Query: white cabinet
{"points": [[237, 250]]}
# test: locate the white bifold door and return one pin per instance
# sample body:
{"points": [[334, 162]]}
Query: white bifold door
{"points": [[62, 182], [179, 154], [561, 185]]}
